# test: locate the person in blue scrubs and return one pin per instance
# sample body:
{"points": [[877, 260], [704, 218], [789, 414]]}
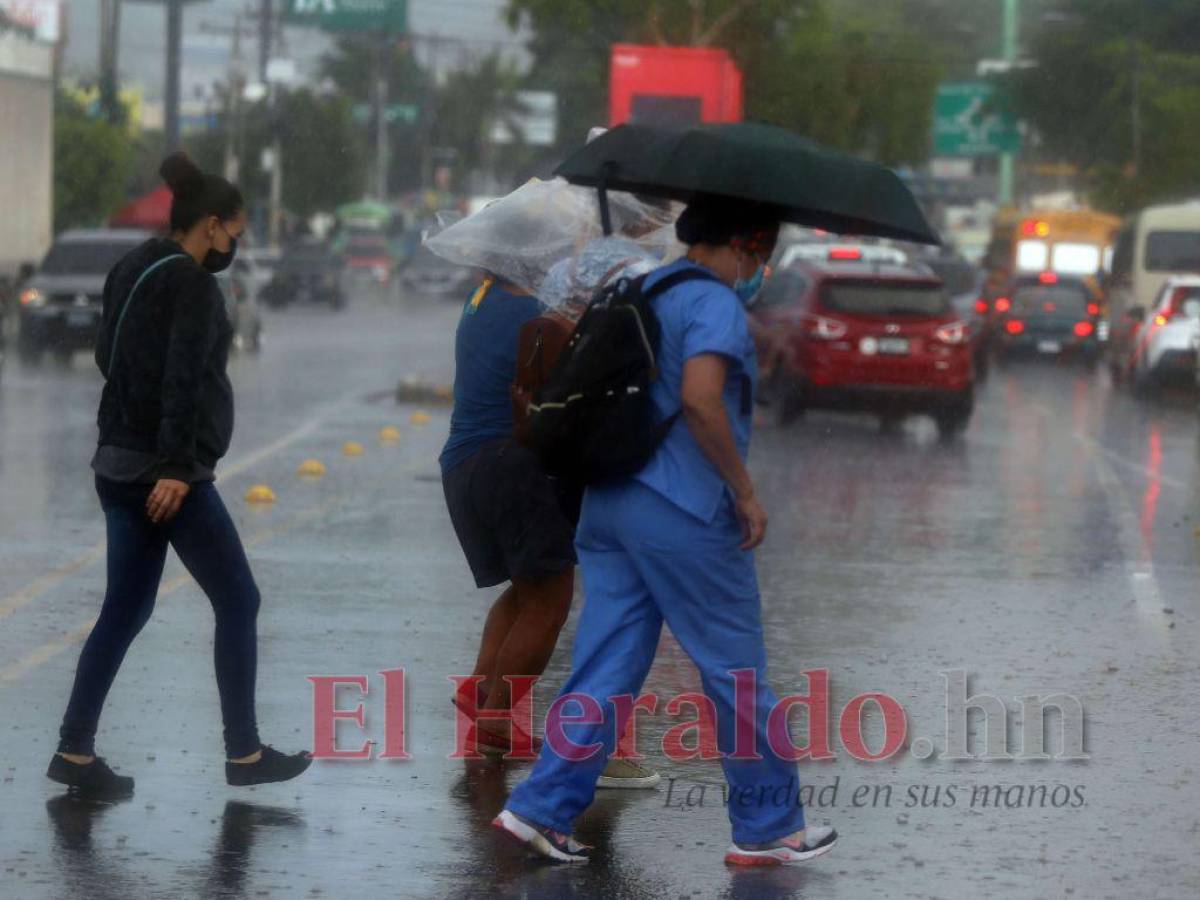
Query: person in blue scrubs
{"points": [[674, 544]]}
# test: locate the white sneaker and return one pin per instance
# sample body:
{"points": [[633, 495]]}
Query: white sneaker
{"points": [[818, 840], [622, 774], [549, 843]]}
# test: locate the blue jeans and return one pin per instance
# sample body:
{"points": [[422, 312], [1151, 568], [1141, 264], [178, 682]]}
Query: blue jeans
{"points": [[207, 542], [645, 561]]}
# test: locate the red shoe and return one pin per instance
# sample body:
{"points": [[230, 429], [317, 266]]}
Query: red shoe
{"points": [[491, 743]]}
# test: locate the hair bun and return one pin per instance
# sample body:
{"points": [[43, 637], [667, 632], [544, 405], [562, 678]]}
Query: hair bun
{"points": [[181, 174]]}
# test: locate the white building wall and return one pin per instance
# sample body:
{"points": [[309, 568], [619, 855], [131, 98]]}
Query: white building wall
{"points": [[26, 150]]}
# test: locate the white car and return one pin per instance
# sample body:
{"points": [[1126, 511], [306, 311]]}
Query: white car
{"points": [[239, 285], [1165, 344], [261, 262], [821, 253]]}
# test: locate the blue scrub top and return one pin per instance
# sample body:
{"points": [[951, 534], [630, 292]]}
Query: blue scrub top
{"points": [[698, 317], [485, 361]]}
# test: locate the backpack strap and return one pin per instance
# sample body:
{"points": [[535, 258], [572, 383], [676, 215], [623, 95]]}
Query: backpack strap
{"points": [[662, 285], [674, 280], [112, 354]]}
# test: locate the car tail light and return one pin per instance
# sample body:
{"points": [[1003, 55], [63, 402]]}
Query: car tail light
{"points": [[1014, 326], [1003, 305], [1084, 329], [1178, 296], [825, 329], [955, 333], [1048, 307], [32, 297], [1048, 278], [981, 307], [845, 253], [1093, 309]]}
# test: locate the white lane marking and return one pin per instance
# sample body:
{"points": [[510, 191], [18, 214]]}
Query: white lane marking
{"points": [[23, 596], [50, 580], [1111, 455], [47, 651], [1139, 560]]}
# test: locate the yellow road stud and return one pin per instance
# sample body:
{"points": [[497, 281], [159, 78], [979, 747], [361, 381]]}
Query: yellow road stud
{"points": [[389, 434], [311, 468], [420, 418], [260, 493], [352, 448]]}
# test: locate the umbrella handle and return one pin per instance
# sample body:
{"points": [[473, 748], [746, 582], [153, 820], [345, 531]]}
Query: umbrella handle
{"points": [[602, 195]]}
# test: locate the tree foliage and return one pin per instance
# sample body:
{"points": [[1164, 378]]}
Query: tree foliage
{"points": [[325, 155], [1126, 88], [92, 159], [856, 75]]}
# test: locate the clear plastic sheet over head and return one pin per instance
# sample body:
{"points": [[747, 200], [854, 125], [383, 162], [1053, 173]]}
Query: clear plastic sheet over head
{"points": [[545, 237]]}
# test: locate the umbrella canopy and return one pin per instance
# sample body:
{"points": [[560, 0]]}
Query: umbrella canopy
{"points": [[152, 212], [812, 185]]}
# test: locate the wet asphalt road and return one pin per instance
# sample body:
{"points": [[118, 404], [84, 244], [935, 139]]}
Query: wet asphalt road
{"points": [[1052, 550]]}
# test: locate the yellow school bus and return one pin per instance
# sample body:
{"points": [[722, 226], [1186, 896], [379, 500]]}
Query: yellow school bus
{"points": [[1066, 242]]}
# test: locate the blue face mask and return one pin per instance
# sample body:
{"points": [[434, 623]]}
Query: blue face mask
{"points": [[746, 288]]}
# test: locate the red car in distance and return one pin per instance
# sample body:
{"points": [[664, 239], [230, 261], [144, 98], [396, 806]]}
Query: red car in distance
{"points": [[860, 336], [368, 257]]}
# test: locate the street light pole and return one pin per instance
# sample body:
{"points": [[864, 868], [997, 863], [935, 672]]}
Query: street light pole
{"points": [[381, 124], [1008, 160], [265, 13], [174, 47]]}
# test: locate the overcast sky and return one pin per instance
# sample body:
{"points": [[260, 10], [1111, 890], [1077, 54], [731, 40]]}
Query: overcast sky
{"points": [[478, 24]]}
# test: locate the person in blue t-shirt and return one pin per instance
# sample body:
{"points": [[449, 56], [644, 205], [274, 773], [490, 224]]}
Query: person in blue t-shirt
{"points": [[674, 544], [514, 522], [508, 514]]}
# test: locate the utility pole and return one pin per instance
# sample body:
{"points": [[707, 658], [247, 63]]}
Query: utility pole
{"points": [[266, 33], [1009, 51], [233, 105], [381, 114], [1135, 105], [265, 14], [174, 54], [110, 44]]}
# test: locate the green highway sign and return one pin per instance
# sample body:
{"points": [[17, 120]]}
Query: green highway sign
{"points": [[966, 124], [388, 16], [395, 112]]}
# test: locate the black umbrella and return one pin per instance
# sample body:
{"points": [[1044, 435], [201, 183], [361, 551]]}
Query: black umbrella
{"points": [[812, 185]]}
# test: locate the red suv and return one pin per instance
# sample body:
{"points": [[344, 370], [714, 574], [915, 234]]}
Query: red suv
{"points": [[871, 337]]}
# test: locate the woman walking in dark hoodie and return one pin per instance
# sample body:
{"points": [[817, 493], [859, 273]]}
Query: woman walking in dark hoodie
{"points": [[166, 417]]}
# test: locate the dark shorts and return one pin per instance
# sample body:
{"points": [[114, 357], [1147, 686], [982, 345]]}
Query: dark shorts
{"points": [[512, 519]]}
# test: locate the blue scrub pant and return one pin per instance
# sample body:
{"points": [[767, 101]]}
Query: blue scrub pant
{"points": [[645, 561]]}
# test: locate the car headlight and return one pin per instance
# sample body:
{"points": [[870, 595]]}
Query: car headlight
{"points": [[32, 297]]}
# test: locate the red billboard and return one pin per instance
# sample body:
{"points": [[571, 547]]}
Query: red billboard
{"points": [[673, 86]]}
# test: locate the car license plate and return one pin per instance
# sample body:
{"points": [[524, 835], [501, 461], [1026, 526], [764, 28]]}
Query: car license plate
{"points": [[893, 346], [1049, 347], [80, 318]]}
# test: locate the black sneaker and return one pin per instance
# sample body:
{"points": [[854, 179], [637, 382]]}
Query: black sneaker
{"points": [[94, 780], [273, 767]]}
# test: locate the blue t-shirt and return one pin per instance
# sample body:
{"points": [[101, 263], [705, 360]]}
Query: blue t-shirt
{"points": [[485, 360], [698, 317]]}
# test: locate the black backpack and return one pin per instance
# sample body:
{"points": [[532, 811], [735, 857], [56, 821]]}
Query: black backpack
{"points": [[593, 419]]}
